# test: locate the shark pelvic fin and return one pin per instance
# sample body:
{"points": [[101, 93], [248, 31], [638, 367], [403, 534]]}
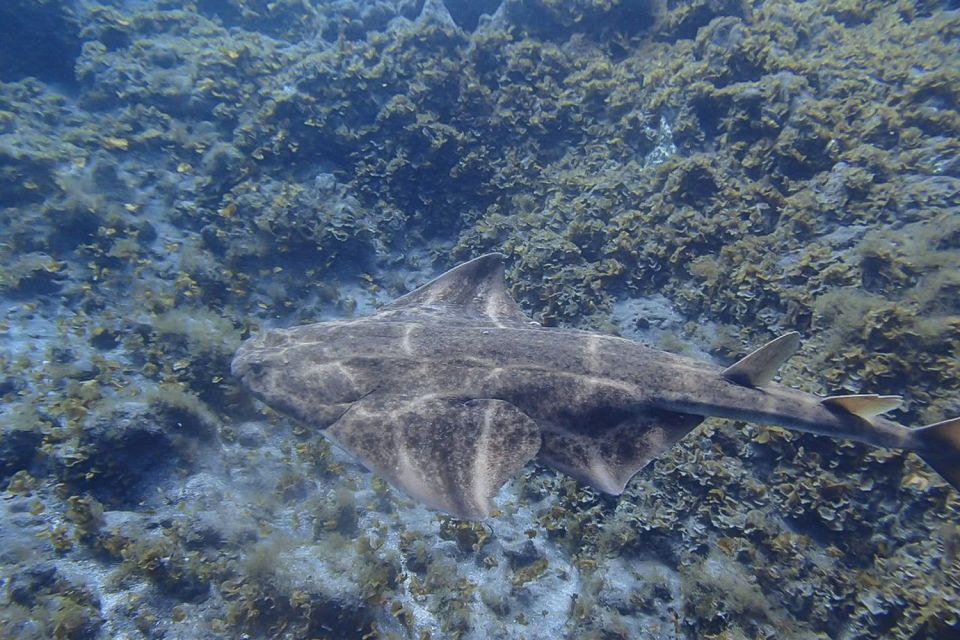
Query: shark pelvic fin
{"points": [[940, 444], [759, 367], [866, 406], [606, 459]]}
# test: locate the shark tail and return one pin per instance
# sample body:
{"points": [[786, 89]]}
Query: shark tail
{"points": [[940, 448]]}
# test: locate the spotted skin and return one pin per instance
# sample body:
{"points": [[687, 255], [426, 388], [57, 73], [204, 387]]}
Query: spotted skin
{"points": [[448, 391]]}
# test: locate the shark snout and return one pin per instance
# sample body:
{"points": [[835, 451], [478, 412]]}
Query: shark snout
{"points": [[252, 361], [245, 365], [268, 364]]}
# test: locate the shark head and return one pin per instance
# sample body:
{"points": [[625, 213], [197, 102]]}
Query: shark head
{"points": [[254, 363], [315, 390]]}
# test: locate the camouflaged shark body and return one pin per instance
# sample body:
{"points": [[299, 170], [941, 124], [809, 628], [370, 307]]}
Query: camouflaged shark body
{"points": [[448, 391]]}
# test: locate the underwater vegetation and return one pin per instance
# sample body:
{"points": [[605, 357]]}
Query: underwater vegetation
{"points": [[175, 176]]}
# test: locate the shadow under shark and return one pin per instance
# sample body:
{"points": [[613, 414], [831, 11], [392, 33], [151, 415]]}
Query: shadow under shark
{"points": [[449, 390]]}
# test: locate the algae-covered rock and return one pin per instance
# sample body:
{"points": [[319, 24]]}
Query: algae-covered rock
{"points": [[27, 24], [18, 448], [123, 452], [699, 174]]}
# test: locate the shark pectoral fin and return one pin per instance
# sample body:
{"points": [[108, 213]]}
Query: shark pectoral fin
{"points": [[759, 367], [608, 459], [866, 406], [451, 455]]}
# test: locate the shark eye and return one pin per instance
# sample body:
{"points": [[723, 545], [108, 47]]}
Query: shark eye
{"points": [[256, 368]]}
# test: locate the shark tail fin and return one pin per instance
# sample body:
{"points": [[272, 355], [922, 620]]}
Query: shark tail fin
{"points": [[940, 448]]}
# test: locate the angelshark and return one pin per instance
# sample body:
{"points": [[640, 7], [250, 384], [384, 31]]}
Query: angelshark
{"points": [[449, 390]]}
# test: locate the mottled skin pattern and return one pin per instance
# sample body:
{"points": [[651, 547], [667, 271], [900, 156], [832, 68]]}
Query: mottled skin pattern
{"points": [[448, 391]]}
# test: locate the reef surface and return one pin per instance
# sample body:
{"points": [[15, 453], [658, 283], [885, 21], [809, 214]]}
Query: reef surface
{"points": [[699, 174]]}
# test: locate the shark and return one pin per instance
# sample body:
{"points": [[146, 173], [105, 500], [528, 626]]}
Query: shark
{"points": [[448, 391]]}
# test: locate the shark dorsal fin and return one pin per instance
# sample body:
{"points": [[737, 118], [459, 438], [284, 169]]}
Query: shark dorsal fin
{"points": [[759, 367], [473, 291], [865, 406]]}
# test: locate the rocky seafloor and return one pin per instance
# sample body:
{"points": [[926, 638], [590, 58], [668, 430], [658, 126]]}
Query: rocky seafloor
{"points": [[701, 175]]}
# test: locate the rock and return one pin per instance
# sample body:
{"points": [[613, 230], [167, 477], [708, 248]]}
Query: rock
{"points": [[25, 586]]}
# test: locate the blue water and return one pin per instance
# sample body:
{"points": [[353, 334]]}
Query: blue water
{"points": [[701, 177]]}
